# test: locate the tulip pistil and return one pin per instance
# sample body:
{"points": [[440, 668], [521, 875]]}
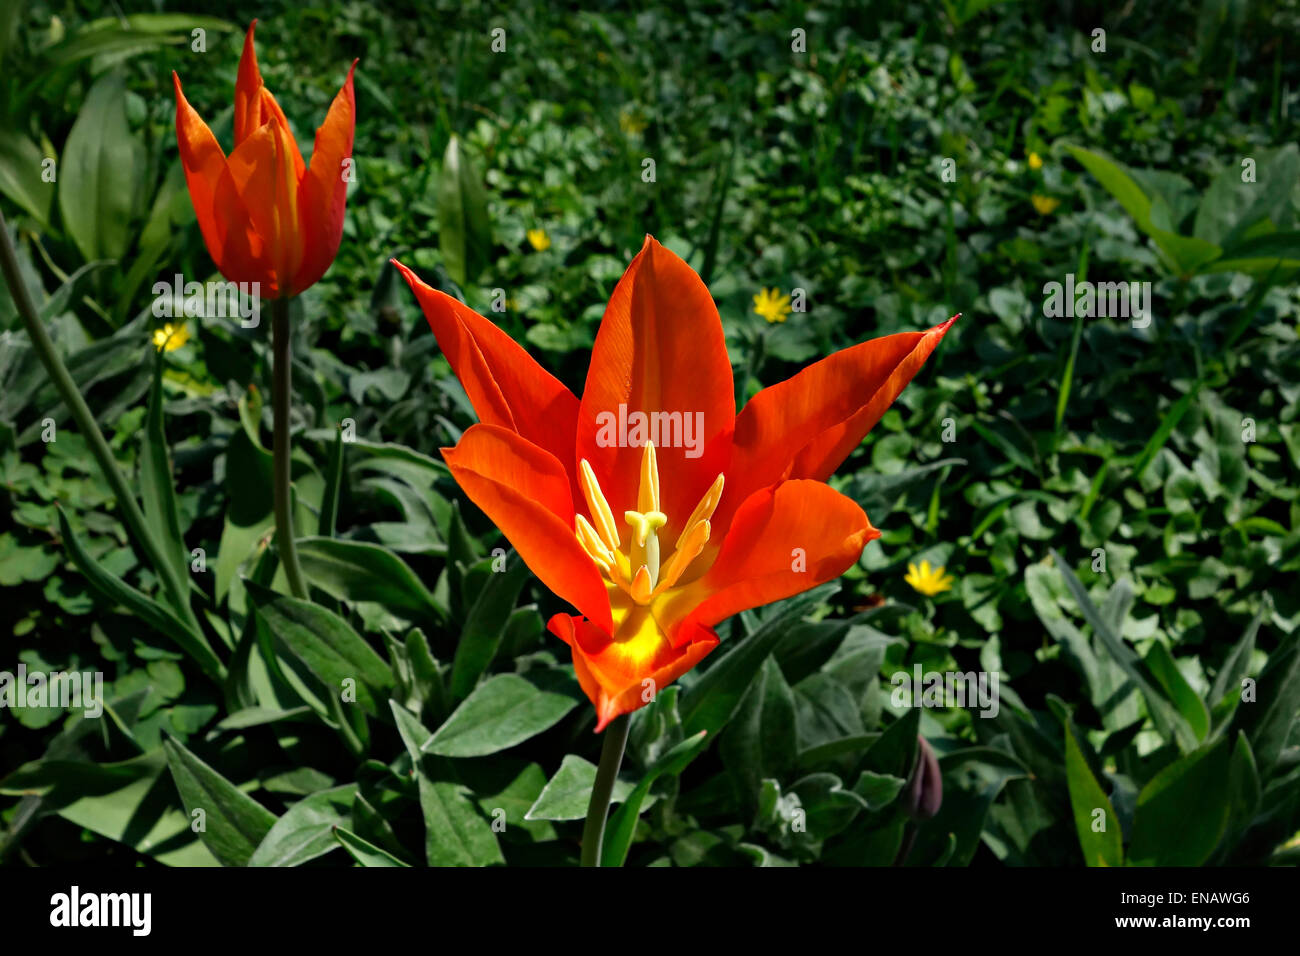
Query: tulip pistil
{"points": [[640, 573]]}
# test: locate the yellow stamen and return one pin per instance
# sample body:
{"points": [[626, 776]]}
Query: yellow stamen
{"points": [[639, 572], [703, 511], [688, 549], [599, 507], [591, 541], [647, 496], [622, 574], [642, 586]]}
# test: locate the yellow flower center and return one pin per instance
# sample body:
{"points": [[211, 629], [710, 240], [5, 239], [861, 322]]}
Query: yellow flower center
{"points": [[640, 572]]}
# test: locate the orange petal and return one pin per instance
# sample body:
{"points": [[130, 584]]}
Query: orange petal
{"points": [[783, 540], [235, 247], [323, 191], [203, 161], [660, 349], [623, 673], [254, 104], [524, 490], [260, 173], [807, 425], [504, 384], [248, 87]]}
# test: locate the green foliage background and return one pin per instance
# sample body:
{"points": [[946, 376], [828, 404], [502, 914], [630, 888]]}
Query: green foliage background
{"points": [[1120, 682]]}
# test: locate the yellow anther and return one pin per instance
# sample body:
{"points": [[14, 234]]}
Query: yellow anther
{"points": [[689, 547], [642, 586], [704, 510], [601, 514], [647, 496], [591, 541]]}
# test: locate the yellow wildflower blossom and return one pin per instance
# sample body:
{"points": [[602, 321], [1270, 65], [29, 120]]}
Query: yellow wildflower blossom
{"points": [[1045, 205], [927, 580], [772, 305], [171, 337]]}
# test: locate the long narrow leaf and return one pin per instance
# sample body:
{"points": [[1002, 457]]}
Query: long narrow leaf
{"points": [[150, 611]]}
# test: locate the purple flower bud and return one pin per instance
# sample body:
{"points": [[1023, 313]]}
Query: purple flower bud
{"points": [[925, 789]]}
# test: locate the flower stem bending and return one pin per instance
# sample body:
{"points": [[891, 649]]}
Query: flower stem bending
{"points": [[177, 588], [281, 393], [611, 758]]}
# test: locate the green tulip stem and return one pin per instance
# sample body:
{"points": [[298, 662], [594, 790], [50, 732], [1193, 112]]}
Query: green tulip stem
{"points": [[281, 395], [611, 758]]}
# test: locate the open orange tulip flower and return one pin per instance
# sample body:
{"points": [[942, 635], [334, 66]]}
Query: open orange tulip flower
{"points": [[266, 216], [650, 505]]}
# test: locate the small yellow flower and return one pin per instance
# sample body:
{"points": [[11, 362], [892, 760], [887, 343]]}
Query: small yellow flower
{"points": [[171, 337], [927, 580], [772, 305], [1035, 162], [632, 122], [539, 240], [1045, 205]]}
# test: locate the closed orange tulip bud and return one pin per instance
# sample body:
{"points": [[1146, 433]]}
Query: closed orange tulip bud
{"points": [[266, 216]]}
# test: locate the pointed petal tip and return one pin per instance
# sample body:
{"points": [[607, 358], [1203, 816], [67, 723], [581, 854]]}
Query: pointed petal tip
{"points": [[407, 272]]}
